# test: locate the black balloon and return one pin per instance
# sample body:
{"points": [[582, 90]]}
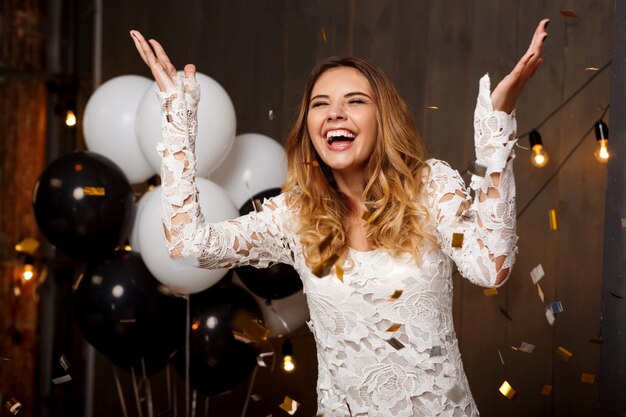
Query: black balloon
{"points": [[277, 281], [83, 204], [126, 314], [218, 361]]}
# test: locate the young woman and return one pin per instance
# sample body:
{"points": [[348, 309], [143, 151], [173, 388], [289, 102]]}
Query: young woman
{"points": [[370, 225]]}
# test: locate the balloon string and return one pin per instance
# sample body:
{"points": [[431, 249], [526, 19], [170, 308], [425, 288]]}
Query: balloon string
{"points": [[168, 378], [193, 402], [148, 389], [136, 390], [245, 404], [206, 406], [119, 392], [187, 335], [175, 401]]}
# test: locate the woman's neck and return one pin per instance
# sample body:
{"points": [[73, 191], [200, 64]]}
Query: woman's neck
{"points": [[351, 185]]}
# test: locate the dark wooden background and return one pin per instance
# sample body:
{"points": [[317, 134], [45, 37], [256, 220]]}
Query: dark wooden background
{"points": [[435, 51]]}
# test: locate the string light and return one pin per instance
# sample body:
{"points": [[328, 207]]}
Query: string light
{"points": [[602, 138], [539, 156], [70, 118], [288, 363]]}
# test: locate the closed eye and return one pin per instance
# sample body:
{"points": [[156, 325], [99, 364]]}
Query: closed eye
{"points": [[318, 104]]}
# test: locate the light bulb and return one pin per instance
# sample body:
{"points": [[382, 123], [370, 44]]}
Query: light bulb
{"points": [[70, 118], [288, 363], [539, 157], [602, 151], [29, 272]]}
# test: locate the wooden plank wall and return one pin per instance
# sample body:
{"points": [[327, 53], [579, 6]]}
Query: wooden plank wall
{"points": [[261, 52]]}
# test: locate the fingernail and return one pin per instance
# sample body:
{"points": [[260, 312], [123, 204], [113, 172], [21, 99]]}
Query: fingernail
{"points": [[546, 25]]}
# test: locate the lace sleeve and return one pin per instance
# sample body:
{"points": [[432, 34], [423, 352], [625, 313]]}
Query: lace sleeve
{"points": [[479, 233], [258, 239]]}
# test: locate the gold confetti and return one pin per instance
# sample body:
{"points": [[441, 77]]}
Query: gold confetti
{"points": [[546, 390], [394, 327], [490, 291], [588, 378], [255, 397], [506, 314], [323, 268], [554, 219], [64, 362], [325, 243], [432, 107], [253, 332], [94, 191], [501, 358], [396, 294], [339, 271], [28, 245], [563, 353], [526, 347], [457, 240], [540, 293], [14, 406], [592, 69], [624, 222], [395, 343], [435, 351], [270, 115], [507, 390], [550, 316], [312, 163], [568, 13], [61, 380], [324, 38], [289, 405], [463, 207], [537, 273], [367, 216]]}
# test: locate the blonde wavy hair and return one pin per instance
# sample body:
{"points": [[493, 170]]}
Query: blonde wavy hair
{"points": [[393, 193]]}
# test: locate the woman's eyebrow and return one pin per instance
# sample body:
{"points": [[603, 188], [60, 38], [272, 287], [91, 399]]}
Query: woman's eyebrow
{"points": [[347, 95]]}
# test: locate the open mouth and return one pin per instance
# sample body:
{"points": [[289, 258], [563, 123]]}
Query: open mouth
{"points": [[339, 135]]}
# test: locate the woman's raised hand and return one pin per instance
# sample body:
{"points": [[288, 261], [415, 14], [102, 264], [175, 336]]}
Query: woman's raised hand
{"points": [[157, 60], [504, 96]]}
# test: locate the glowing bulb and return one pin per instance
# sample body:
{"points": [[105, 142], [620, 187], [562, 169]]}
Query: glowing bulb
{"points": [[602, 139], [539, 157], [288, 363], [602, 151], [70, 118], [29, 272]]}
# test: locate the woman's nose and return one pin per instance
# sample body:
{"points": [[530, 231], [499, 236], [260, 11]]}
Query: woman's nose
{"points": [[336, 112]]}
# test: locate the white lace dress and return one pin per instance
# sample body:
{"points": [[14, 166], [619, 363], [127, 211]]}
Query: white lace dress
{"points": [[386, 345]]}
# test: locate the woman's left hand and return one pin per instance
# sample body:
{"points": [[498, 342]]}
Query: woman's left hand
{"points": [[504, 96]]}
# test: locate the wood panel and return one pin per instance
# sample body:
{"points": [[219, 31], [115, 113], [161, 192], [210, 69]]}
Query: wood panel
{"points": [[261, 52]]}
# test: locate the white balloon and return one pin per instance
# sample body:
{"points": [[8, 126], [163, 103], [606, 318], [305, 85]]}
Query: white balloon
{"points": [[256, 163], [133, 239], [281, 316], [215, 205], [216, 126], [109, 125]]}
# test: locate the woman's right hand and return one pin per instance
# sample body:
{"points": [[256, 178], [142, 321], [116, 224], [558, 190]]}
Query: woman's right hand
{"points": [[156, 59]]}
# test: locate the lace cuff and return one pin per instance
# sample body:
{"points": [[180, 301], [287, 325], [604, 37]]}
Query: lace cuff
{"points": [[494, 137]]}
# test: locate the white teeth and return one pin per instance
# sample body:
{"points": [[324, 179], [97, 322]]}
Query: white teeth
{"points": [[339, 132]]}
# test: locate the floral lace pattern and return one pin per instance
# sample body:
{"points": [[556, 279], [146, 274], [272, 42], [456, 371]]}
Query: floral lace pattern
{"points": [[385, 340]]}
